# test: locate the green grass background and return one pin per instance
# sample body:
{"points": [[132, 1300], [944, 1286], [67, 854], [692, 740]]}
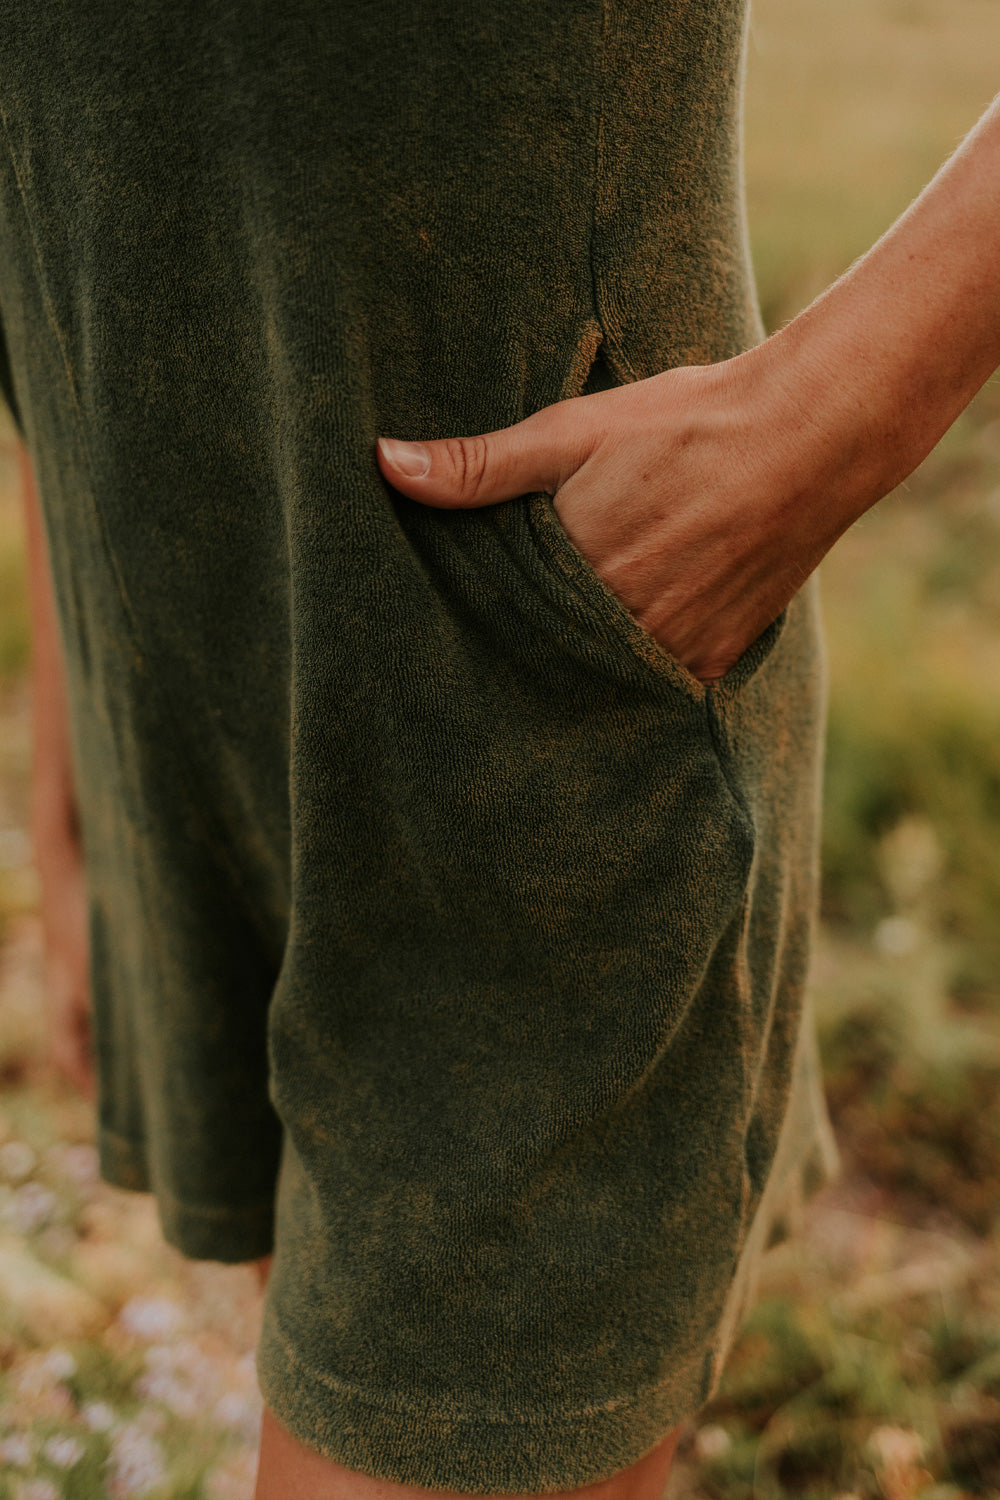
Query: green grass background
{"points": [[870, 1369]]}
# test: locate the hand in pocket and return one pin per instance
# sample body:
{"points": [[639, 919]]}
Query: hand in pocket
{"points": [[694, 494]]}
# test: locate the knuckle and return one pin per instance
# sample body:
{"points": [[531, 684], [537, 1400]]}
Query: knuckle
{"points": [[467, 461]]}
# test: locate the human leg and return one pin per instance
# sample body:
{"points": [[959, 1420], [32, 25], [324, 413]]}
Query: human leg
{"points": [[290, 1471], [287, 1468], [54, 819]]}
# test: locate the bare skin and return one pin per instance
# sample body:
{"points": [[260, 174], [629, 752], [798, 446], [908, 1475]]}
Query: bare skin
{"points": [[289, 1471], [55, 827]]}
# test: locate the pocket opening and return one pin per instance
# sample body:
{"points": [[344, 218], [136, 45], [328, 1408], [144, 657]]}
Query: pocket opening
{"points": [[603, 605], [600, 376], [753, 658], [604, 610]]}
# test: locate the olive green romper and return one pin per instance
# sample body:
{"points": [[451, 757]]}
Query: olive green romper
{"points": [[418, 870]]}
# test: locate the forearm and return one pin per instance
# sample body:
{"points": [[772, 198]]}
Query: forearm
{"points": [[877, 368]]}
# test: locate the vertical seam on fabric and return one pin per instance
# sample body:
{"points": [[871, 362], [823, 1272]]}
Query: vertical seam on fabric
{"points": [[740, 136], [613, 351], [595, 292], [723, 756]]}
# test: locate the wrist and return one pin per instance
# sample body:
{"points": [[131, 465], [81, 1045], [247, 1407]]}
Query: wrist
{"points": [[804, 453], [821, 430]]}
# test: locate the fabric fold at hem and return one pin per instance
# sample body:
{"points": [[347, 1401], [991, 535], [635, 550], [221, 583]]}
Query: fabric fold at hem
{"points": [[230, 1233]]}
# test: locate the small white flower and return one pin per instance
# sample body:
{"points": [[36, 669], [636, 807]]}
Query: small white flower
{"points": [[30, 1207], [98, 1416], [179, 1377], [150, 1318], [16, 1450], [176, 1395], [17, 1160], [712, 1442], [239, 1412], [135, 1463], [59, 1364], [64, 1451], [895, 937], [897, 1447], [77, 1163], [230, 1409], [234, 1479]]}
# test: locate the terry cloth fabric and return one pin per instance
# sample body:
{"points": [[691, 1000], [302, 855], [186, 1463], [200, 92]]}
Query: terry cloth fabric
{"points": [[417, 868]]}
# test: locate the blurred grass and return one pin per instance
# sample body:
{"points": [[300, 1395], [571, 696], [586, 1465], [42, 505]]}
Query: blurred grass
{"points": [[870, 1369], [850, 110]]}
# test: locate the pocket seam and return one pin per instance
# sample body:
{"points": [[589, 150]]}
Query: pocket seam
{"points": [[745, 669], [604, 609]]}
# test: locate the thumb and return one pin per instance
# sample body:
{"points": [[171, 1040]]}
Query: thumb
{"points": [[537, 454]]}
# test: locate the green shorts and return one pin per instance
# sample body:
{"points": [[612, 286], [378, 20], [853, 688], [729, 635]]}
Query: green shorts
{"points": [[447, 935]]}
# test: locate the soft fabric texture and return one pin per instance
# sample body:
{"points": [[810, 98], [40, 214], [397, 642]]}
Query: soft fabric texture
{"points": [[417, 868]]}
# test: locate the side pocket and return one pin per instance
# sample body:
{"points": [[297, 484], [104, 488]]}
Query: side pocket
{"points": [[604, 613], [753, 658]]}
